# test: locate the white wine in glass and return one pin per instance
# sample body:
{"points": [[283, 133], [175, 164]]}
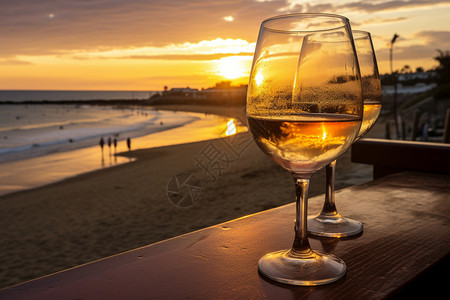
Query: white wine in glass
{"points": [[329, 223], [303, 143], [304, 109]]}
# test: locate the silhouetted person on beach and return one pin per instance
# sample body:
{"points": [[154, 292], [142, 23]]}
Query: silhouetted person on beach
{"points": [[102, 143], [115, 145], [129, 144], [109, 145]]}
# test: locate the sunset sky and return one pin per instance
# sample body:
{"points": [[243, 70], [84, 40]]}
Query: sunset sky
{"points": [[146, 44]]}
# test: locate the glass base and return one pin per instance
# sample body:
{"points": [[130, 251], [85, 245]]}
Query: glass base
{"points": [[318, 268], [334, 226]]}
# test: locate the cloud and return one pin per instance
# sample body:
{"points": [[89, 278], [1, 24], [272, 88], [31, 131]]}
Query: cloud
{"points": [[390, 5], [378, 20], [15, 62], [435, 38], [197, 57], [364, 6], [203, 50], [432, 40]]}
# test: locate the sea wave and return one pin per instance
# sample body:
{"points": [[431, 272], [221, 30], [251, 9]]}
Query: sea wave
{"points": [[62, 125], [45, 136]]}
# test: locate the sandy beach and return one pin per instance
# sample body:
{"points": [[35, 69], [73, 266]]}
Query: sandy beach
{"points": [[108, 211]]}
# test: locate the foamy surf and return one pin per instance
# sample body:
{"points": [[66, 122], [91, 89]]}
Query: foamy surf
{"points": [[34, 130]]}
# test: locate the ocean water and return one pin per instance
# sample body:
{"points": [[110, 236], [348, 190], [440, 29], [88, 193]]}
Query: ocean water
{"points": [[33, 95], [39, 129]]}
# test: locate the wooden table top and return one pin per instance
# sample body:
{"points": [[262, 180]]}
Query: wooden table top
{"points": [[406, 219]]}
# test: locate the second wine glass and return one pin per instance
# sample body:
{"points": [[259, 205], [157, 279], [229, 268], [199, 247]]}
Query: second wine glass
{"points": [[329, 223]]}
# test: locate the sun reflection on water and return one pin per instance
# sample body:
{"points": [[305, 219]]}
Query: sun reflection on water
{"points": [[231, 128]]}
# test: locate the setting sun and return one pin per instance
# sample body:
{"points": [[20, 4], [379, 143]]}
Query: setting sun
{"points": [[233, 67]]}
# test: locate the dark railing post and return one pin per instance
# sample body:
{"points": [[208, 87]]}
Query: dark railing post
{"points": [[446, 137], [415, 124], [387, 134]]}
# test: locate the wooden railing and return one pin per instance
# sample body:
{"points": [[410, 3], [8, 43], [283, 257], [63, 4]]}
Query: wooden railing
{"points": [[392, 156]]}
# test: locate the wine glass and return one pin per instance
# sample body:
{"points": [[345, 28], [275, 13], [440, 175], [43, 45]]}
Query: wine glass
{"points": [[304, 109], [329, 223]]}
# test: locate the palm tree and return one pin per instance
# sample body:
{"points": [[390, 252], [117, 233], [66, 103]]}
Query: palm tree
{"points": [[443, 69]]}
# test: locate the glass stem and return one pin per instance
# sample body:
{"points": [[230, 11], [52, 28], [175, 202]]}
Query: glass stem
{"points": [[301, 247], [329, 207]]}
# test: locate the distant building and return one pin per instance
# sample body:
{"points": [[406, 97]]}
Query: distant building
{"points": [[417, 75], [408, 89], [231, 92], [221, 94], [181, 92], [409, 83]]}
